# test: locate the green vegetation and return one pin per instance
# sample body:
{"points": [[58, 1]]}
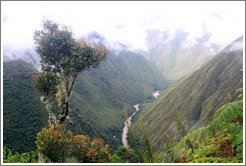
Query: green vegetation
{"points": [[62, 59], [142, 150], [219, 142], [196, 96], [199, 124], [55, 145], [125, 155], [99, 96], [9, 157], [24, 115], [97, 99]]}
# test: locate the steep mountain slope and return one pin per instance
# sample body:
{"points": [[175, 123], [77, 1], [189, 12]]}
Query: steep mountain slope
{"points": [[197, 95], [221, 141], [100, 95], [177, 56], [23, 113]]}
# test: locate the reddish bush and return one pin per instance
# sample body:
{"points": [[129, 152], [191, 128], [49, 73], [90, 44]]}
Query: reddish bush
{"points": [[55, 144]]}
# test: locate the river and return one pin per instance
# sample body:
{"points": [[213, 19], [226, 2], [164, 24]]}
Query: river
{"points": [[125, 129], [156, 94]]}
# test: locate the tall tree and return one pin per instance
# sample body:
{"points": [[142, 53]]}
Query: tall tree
{"points": [[62, 59]]}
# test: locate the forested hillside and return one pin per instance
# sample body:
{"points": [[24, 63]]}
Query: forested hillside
{"points": [[221, 141], [100, 95], [24, 115], [123, 82], [196, 96], [98, 99]]}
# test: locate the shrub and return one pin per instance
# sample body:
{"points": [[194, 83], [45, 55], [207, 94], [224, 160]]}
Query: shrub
{"points": [[90, 152], [55, 144], [9, 157], [99, 153], [125, 155]]}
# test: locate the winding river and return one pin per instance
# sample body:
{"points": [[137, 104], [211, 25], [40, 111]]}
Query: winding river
{"points": [[125, 129]]}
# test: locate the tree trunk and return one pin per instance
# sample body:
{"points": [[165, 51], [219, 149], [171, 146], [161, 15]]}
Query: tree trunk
{"points": [[64, 112], [67, 93]]}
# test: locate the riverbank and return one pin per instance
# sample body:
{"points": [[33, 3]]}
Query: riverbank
{"points": [[125, 129]]}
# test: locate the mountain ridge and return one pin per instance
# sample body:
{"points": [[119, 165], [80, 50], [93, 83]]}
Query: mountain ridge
{"points": [[195, 96]]}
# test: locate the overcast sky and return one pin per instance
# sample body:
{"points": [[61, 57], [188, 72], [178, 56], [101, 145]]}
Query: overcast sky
{"points": [[123, 21]]}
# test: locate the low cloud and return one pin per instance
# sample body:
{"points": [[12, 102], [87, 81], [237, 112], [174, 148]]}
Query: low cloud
{"points": [[124, 22], [28, 55]]}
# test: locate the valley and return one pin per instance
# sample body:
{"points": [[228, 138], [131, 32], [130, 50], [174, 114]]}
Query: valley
{"points": [[99, 96], [97, 102], [179, 90]]}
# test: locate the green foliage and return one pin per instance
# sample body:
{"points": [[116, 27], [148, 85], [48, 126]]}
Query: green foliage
{"points": [[62, 59], [147, 151], [125, 155], [61, 53], [57, 145], [182, 128], [80, 144], [9, 157], [220, 141], [182, 131], [99, 153], [97, 99], [240, 91], [23, 113], [120, 155], [46, 83], [144, 153], [53, 143], [169, 152], [90, 152], [99, 95]]}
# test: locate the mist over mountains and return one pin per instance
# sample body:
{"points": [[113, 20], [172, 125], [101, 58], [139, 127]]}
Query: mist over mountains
{"points": [[177, 55], [28, 55], [163, 47], [97, 100], [189, 53]]}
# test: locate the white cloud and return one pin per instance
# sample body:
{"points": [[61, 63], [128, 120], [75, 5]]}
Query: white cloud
{"points": [[238, 45], [225, 20]]}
